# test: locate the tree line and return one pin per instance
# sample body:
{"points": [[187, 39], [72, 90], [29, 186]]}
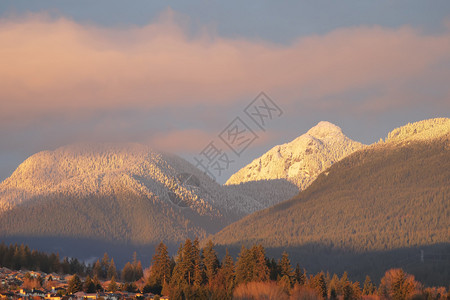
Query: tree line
{"points": [[196, 272], [17, 257]]}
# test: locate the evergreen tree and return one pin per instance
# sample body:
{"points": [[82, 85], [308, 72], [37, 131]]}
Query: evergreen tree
{"points": [[335, 285], [261, 271], [98, 285], [129, 287], [285, 283], [319, 284], [97, 269], [252, 265], [273, 269], [285, 266], [368, 288], [138, 271], [299, 276], [177, 274], [343, 282], [347, 292], [333, 294], [199, 270], [112, 286], [104, 264], [210, 261], [228, 271], [188, 262], [180, 283], [89, 286], [243, 267], [74, 285], [222, 284], [112, 271], [160, 269], [128, 272], [396, 284]]}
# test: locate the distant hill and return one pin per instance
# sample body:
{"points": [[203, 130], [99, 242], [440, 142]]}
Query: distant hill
{"points": [[298, 162], [117, 193], [390, 196]]}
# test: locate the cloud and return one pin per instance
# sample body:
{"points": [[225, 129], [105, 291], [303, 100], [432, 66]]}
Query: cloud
{"points": [[60, 67], [190, 140]]}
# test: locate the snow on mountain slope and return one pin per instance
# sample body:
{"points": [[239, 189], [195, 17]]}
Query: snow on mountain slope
{"points": [[86, 169], [420, 131], [302, 160]]}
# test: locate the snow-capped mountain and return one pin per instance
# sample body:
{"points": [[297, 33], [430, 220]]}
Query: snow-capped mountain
{"points": [[380, 203], [124, 180], [301, 160]]}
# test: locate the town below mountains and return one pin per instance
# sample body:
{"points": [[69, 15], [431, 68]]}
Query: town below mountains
{"points": [[332, 203]]}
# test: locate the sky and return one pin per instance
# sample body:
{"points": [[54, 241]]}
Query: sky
{"points": [[175, 75]]}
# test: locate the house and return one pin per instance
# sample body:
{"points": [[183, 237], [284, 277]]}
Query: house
{"points": [[83, 295], [109, 296], [53, 296], [7, 295], [31, 293]]}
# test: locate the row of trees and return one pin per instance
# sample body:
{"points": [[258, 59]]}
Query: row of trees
{"points": [[198, 274], [18, 257]]}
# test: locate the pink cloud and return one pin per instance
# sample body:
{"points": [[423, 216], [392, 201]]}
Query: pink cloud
{"points": [[57, 66], [190, 140]]}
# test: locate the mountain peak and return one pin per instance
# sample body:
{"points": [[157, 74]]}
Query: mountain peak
{"points": [[323, 129], [301, 160], [104, 168]]}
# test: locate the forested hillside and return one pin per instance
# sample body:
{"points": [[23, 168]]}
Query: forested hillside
{"points": [[387, 198]]}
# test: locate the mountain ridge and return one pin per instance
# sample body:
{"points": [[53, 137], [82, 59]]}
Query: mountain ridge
{"points": [[301, 160], [367, 211], [78, 184]]}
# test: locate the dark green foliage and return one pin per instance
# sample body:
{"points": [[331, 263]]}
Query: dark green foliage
{"points": [[89, 285], [98, 285], [299, 276], [104, 264], [17, 257], [74, 285], [252, 265], [132, 272], [129, 287], [333, 294]]}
